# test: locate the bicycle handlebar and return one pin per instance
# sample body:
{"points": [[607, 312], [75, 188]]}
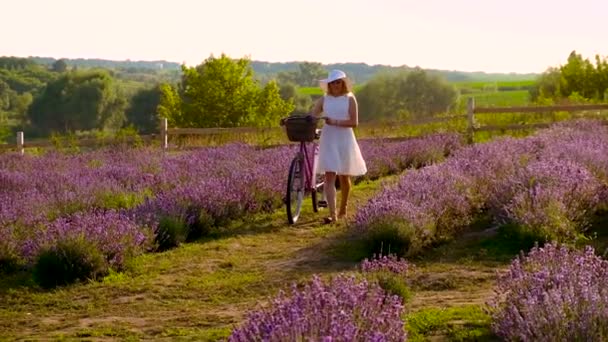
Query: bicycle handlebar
{"points": [[309, 118]]}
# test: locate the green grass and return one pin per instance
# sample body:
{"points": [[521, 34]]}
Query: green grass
{"points": [[316, 91], [458, 323], [312, 91], [497, 99], [479, 85]]}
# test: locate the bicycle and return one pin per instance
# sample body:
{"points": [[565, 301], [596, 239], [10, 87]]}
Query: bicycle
{"points": [[301, 179]]}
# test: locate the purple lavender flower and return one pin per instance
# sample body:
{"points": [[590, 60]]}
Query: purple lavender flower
{"points": [[386, 263], [552, 294], [342, 309], [549, 183]]}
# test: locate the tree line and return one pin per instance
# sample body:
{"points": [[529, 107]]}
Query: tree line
{"points": [[60, 97], [578, 80]]}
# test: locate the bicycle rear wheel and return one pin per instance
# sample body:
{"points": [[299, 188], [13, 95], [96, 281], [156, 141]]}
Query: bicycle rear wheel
{"points": [[295, 190]]}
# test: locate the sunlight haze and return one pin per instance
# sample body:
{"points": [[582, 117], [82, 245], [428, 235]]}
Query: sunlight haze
{"points": [[469, 35]]}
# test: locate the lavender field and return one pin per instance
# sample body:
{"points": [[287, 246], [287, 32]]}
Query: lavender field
{"points": [[459, 214], [118, 199], [546, 187]]}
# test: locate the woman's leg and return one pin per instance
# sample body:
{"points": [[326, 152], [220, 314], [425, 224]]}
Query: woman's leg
{"points": [[345, 185], [330, 193]]}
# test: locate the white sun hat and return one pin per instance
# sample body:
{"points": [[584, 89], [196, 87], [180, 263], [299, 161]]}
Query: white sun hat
{"points": [[336, 75]]}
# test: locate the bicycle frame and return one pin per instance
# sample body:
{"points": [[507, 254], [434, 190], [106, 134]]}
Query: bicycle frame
{"points": [[309, 164]]}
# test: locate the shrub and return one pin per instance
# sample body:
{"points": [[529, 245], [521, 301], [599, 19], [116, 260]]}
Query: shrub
{"points": [[121, 200], [395, 234], [116, 235], [200, 225], [553, 294], [426, 206], [394, 285], [9, 263], [69, 261], [170, 233], [343, 309], [9, 255], [521, 236], [551, 200]]}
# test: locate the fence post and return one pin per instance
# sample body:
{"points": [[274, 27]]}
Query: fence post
{"points": [[20, 143], [470, 119], [164, 133]]}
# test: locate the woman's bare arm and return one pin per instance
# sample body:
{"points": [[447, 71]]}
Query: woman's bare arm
{"points": [[317, 108]]}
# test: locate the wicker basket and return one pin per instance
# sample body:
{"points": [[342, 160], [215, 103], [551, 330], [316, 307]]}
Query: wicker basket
{"points": [[301, 128]]}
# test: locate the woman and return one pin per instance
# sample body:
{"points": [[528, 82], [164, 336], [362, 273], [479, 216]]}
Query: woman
{"points": [[339, 154]]}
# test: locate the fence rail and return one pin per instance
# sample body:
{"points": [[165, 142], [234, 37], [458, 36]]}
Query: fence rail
{"points": [[471, 124], [473, 127], [540, 109], [21, 143]]}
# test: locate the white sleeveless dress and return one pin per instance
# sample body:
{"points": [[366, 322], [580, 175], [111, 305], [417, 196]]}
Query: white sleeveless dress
{"points": [[338, 149]]}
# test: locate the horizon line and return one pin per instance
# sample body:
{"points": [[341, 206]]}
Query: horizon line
{"points": [[281, 62]]}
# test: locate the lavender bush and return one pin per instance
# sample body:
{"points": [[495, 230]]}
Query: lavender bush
{"points": [[386, 157], [116, 235], [390, 272], [553, 199], [390, 263], [70, 260], [10, 258], [343, 309], [553, 294], [210, 187], [426, 205], [547, 185]]}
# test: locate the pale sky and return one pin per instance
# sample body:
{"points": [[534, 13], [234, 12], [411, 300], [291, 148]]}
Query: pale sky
{"points": [[469, 35]]}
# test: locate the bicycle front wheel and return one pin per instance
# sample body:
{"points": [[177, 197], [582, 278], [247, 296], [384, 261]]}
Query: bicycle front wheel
{"points": [[295, 190]]}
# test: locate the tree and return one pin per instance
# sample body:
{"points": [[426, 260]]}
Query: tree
{"points": [[413, 94], [578, 75], [5, 93], [601, 81], [19, 107], [13, 106], [78, 101], [14, 63], [578, 78], [427, 95], [310, 74], [289, 92], [547, 86], [169, 106], [222, 92], [307, 75], [379, 99], [142, 110], [59, 66], [270, 108]]}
